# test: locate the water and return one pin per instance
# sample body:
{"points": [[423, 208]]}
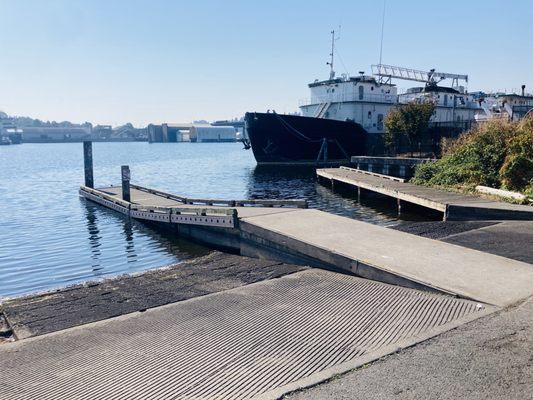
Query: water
{"points": [[50, 237]]}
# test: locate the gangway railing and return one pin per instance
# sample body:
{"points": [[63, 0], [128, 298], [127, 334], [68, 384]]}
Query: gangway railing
{"points": [[298, 203]]}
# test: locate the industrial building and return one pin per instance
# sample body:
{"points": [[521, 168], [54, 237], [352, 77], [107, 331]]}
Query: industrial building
{"points": [[184, 132], [56, 134]]}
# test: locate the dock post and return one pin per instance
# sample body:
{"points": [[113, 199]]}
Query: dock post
{"points": [[399, 207], [88, 164], [125, 172]]}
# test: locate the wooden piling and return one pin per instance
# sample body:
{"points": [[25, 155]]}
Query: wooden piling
{"points": [[88, 164], [125, 172]]}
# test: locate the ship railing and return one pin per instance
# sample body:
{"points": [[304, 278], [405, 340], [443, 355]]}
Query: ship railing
{"points": [[349, 97], [408, 98]]}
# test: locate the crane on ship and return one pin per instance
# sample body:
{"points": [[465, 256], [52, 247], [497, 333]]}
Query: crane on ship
{"points": [[430, 78]]}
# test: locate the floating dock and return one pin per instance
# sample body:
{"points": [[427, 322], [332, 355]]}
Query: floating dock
{"points": [[285, 231], [454, 206]]}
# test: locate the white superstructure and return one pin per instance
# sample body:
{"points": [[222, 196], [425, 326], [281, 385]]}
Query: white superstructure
{"points": [[361, 99], [453, 106], [367, 100]]}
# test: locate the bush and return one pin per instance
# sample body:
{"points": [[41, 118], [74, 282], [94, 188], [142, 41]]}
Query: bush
{"points": [[495, 153], [517, 170]]}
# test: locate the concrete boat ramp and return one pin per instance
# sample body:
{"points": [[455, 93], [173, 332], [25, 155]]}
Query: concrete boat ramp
{"points": [[266, 339], [258, 341]]}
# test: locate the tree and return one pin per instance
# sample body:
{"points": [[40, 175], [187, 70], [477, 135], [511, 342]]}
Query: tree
{"points": [[409, 120]]}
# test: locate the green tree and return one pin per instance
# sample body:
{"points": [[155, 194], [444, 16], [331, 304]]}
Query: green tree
{"points": [[408, 120]]}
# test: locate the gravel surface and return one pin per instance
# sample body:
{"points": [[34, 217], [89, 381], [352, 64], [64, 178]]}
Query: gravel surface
{"points": [[490, 358]]}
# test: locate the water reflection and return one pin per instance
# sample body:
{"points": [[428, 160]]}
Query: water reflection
{"points": [[133, 231], [127, 228], [281, 182], [94, 237], [299, 182]]}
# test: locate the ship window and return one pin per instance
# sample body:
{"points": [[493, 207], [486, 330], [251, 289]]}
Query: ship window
{"points": [[369, 114], [332, 90], [361, 92], [371, 87]]}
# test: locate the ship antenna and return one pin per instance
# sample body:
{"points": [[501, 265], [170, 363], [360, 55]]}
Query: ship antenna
{"points": [[330, 63], [382, 30]]}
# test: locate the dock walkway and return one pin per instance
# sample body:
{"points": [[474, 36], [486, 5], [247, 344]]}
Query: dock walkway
{"points": [[316, 238], [454, 206]]}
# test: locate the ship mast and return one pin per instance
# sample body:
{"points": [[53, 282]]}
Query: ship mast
{"points": [[330, 63]]}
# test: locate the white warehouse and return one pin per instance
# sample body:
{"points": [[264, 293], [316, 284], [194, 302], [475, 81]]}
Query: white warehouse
{"points": [[208, 133]]}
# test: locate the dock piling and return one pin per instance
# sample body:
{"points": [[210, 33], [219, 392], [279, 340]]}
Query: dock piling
{"points": [[125, 172], [399, 202], [88, 164]]}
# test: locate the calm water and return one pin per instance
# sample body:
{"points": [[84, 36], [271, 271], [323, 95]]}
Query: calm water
{"points": [[49, 237]]}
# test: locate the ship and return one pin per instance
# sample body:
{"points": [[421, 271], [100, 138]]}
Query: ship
{"points": [[294, 139], [345, 116]]}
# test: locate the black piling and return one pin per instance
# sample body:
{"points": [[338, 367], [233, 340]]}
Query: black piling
{"points": [[88, 164], [125, 172]]}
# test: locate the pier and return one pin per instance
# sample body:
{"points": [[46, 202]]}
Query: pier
{"points": [[454, 206], [286, 232]]}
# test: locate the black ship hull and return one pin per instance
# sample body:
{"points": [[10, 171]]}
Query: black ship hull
{"points": [[291, 139]]}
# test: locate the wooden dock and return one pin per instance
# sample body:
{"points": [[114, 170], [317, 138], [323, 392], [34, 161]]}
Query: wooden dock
{"points": [[285, 231], [454, 206]]}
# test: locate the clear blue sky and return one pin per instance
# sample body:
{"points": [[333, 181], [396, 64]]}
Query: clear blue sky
{"points": [[160, 60]]}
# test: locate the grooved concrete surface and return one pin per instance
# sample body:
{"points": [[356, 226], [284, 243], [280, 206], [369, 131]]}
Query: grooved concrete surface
{"points": [[260, 340]]}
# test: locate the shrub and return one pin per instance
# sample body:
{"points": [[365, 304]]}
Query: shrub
{"points": [[493, 154], [517, 170]]}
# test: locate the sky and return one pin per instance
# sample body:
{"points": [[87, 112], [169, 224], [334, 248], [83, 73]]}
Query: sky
{"points": [[118, 61]]}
